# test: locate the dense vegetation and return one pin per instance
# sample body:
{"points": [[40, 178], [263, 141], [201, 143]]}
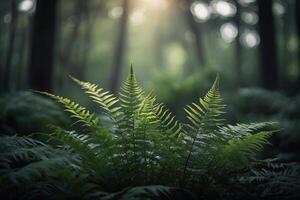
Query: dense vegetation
{"points": [[136, 141], [126, 144]]}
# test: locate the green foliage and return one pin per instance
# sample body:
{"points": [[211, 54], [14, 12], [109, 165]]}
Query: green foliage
{"points": [[31, 169], [252, 104], [275, 179], [145, 192], [145, 146], [23, 113]]}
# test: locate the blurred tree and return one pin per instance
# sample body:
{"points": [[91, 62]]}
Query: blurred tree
{"points": [[20, 70], [87, 35], [42, 45], [238, 47], [269, 70], [120, 47], [297, 7], [286, 81], [196, 29], [11, 44], [65, 54]]}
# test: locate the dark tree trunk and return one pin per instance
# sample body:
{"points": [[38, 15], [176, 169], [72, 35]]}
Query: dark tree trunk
{"points": [[269, 70], [286, 55], [197, 32], [120, 46], [11, 44], [20, 68], [67, 66], [238, 47], [90, 21], [297, 12], [42, 46]]}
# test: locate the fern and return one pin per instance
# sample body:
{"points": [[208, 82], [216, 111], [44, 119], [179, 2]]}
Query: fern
{"points": [[80, 113], [32, 159], [131, 97], [274, 179], [104, 99], [204, 120], [205, 114], [146, 146], [236, 153]]}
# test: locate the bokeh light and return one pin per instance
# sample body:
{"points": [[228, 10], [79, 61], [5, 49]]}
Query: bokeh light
{"points": [[228, 32], [224, 8], [201, 11], [115, 12], [26, 6], [250, 39], [278, 8], [249, 18]]}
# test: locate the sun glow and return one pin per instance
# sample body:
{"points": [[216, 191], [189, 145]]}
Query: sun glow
{"points": [[201, 11], [224, 8], [26, 6], [228, 32]]}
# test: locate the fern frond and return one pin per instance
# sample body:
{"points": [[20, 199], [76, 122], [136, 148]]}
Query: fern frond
{"points": [[141, 141], [273, 178], [241, 130], [103, 98], [236, 153], [206, 113], [131, 97], [204, 118], [80, 113], [168, 120], [25, 160], [80, 144]]}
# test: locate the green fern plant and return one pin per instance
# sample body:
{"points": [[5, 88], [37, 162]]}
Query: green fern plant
{"points": [[274, 179], [146, 144], [146, 138]]}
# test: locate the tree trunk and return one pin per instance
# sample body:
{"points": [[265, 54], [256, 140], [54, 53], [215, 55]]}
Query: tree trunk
{"points": [[238, 47], [120, 46], [20, 68], [269, 70], [11, 44], [90, 22], [42, 45], [68, 66], [297, 13], [197, 32], [286, 55]]}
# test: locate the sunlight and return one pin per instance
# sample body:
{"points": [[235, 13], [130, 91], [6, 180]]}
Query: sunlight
{"points": [[26, 5], [115, 12], [224, 8], [158, 4], [228, 32], [137, 17], [250, 18], [201, 11], [278, 8], [250, 39]]}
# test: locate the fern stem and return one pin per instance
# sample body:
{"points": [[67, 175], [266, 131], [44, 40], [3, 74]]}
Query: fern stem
{"points": [[186, 163]]}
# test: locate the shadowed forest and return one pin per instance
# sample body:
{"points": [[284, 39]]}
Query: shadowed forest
{"points": [[150, 99]]}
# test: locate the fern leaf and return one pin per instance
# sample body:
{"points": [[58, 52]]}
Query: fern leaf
{"points": [[241, 130], [168, 120], [206, 113], [25, 160], [103, 98], [236, 153], [80, 113], [131, 97]]}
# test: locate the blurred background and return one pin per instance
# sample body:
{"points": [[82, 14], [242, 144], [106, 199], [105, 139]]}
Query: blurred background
{"points": [[176, 47]]}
